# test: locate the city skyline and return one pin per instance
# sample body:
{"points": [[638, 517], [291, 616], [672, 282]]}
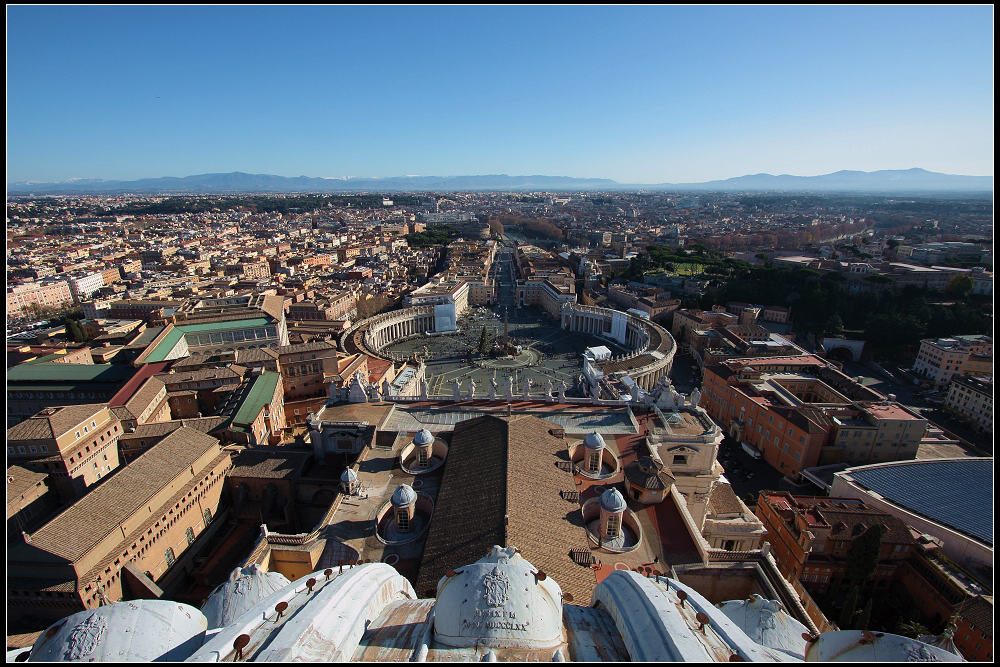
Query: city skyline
{"points": [[639, 95]]}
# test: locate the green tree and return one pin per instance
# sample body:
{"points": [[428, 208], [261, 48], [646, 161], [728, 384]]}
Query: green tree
{"points": [[834, 325], [912, 629], [959, 286], [846, 617], [484, 341], [862, 556], [866, 616]]}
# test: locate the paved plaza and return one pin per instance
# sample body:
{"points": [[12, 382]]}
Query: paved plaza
{"points": [[548, 352]]}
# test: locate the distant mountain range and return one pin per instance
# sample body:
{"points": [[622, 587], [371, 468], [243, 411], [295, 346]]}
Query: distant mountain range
{"points": [[886, 181]]}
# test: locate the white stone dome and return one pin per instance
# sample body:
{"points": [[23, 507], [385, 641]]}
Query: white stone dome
{"points": [[500, 601], [612, 501], [348, 476], [423, 437], [594, 441], [404, 496], [133, 631], [245, 588], [767, 623]]}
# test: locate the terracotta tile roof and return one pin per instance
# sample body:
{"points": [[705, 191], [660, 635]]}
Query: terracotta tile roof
{"points": [[978, 611], [144, 397], [269, 463], [159, 430], [645, 473], [231, 372], [51, 423], [543, 525], [852, 522], [307, 347], [20, 481], [471, 504], [83, 526], [723, 500], [501, 486]]}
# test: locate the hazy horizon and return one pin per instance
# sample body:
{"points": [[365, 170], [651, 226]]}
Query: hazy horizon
{"points": [[398, 176], [638, 95]]}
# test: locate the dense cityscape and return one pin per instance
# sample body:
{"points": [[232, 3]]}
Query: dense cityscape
{"points": [[284, 384], [500, 333]]}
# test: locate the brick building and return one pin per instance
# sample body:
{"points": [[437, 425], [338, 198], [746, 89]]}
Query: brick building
{"points": [[811, 536], [74, 445], [132, 528]]}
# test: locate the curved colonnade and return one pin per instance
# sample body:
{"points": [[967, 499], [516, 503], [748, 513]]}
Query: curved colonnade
{"points": [[371, 335], [652, 347]]}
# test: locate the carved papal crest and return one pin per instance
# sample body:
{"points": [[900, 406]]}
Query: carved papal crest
{"points": [[495, 587], [86, 637]]}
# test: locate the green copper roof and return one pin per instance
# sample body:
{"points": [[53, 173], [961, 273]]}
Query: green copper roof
{"points": [[171, 339], [259, 396], [68, 373]]}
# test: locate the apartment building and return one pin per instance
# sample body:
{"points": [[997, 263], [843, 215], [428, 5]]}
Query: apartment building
{"points": [[52, 294], [971, 398], [941, 359], [798, 412], [83, 286], [811, 536], [305, 367]]}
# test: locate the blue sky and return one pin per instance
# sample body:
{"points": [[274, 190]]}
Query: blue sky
{"points": [[637, 94]]}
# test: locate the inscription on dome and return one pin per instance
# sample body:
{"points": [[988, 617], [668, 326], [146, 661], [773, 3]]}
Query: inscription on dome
{"points": [[497, 615]]}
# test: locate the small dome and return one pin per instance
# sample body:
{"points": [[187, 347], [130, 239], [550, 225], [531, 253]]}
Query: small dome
{"points": [[612, 501], [133, 631], [404, 496], [245, 588], [500, 601], [767, 623], [423, 437], [348, 476], [594, 441]]}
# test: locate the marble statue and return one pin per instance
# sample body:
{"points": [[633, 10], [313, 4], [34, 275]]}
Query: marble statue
{"points": [[695, 397]]}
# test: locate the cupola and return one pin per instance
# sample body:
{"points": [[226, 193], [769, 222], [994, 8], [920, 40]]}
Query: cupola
{"points": [[403, 501], [349, 482]]}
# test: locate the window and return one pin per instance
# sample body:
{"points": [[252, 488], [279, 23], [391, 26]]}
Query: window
{"points": [[421, 456], [595, 462], [189, 534], [680, 459], [614, 522], [208, 517], [402, 520], [168, 556]]}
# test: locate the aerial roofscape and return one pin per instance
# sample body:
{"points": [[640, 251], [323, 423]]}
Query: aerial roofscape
{"points": [[482, 426]]}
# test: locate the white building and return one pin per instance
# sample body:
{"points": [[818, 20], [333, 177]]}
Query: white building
{"points": [[83, 286]]}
